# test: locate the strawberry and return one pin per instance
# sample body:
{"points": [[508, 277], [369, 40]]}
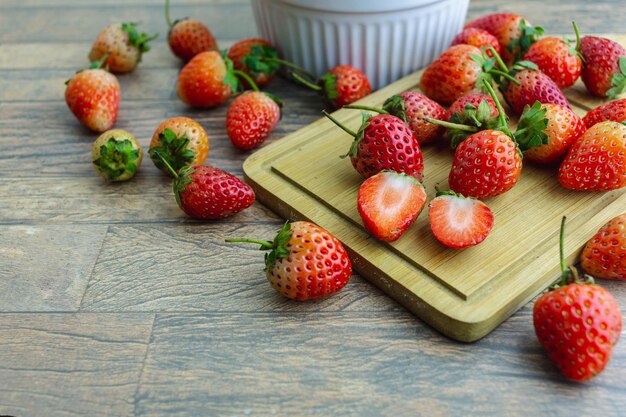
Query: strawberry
{"points": [[577, 323], [615, 111], [340, 86], [389, 203], [124, 44], [188, 37], [457, 221], [604, 256], [478, 38], [604, 70], [305, 261], [251, 117], [116, 155], [460, 105], [596, 161], [513, 32], [181, 141], [257, 58], [93, 95], [477, 110], [384, 142], [557, 59]]}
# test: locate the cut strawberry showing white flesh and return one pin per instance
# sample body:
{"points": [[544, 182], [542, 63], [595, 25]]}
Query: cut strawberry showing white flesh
{"points": [[389, 203], [459, 222]]}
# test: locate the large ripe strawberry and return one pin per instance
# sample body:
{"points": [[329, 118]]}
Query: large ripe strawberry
{"points": [[604, 255], [596, 161], [615, 111], [93, 95], [556, 58], [457, 221], [513, 32], [384, 142], [181, 141], [389, 203], [251, 117], [188, 37], [577, 323], [477, 37], [124, 46], [340, 86], [257, 58], [304, 262], [604, 69], [116, 155], [533, 85]]}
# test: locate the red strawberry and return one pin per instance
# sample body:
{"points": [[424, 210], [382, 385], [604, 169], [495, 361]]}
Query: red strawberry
{"points": [[257, 58], [305, 261], [473, 100], [604, 70], [93, 96], [188, 37], [124, 45], [389, 203], [604, 255], [615, 111], [251, 117], [578, 324], [533, 86], [478, 38], [457, 221], [340, 86], [597, 160], [384, 142], [181, 141]]}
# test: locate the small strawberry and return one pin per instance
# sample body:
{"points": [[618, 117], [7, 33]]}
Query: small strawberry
{"points": [[477, 37], [557, 59], [474, 100], [389, 203], [604, 255], [577, 323], [251, 117], [257, 58], [116, 155], [383, 142], [596, 161], [124, 44], [604, 69], [188, 37], [478, 111], [615, 111], [181, 141], [93, 95], [457, 221], [340, 86], [305, 261]]}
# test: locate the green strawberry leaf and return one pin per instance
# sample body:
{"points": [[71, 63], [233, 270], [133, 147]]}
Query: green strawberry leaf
{"points": [[328, 83], [471, 116], [180, 184], [354, 148], [139, 40], [279, 246], [230, 79], [118, 158], [530, 34], [260, 60], [395, 105], [619, 80], [173, 149], [520, 65], [531, 127]]}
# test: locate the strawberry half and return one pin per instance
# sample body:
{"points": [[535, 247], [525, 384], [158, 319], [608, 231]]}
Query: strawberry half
{"points": [[457, 221], [389, 203]]}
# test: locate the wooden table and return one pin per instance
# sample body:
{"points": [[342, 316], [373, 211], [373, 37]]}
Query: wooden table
{"points": [[114, 303]]}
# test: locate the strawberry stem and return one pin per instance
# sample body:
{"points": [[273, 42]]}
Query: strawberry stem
{"points": [[167, 165], [505, 75], [368, 108], [288, 64], [338, 123], [577, 32], [564, 270], [498, 58], [501, 114], [248, 79], [265, 244], [304, 82], [98, 64], [167, 13], [279, 246], [450, 125]]}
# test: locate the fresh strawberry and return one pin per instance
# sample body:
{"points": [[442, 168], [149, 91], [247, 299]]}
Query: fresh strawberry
{"points": [[340, 86], [188, 37], [116, 155], [251, 117], [93, 95], [597, 160], [477, 37], [461, 105], [557, 59], [513, 32], [181, 141], [124, 45], [615, 111], [604, 255], [604, 69], [457, 221], [389, 203], [477, 110], [577, 323], [257, 58], [384, 142], [304, 262]]}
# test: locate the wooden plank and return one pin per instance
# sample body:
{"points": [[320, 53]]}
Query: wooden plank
{"points": [[46, 268], [378, 364], [71, 364], [190, 268]]}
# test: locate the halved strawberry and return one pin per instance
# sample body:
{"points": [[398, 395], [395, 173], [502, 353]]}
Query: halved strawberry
{"points": [[389, 202], [457, 221]]}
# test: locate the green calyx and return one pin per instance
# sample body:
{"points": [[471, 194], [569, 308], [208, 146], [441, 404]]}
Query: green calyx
{"points": [[118, 160], [395, 105], [139, 40], [530, 34], [328, 83], [575, 50], [94, 65], [531, 127], [358, 135], [448, 192], [262, 60], [480, 117], [231, 79], [568, 274], [181, 178], [618, 81], [278, 247], [493, 68], [172, 151]]}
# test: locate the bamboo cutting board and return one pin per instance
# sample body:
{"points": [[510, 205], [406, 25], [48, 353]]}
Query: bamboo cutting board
{"points": [[463, 293]]}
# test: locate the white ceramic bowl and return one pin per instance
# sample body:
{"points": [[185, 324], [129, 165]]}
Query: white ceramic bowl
{"points": [[386, 39]]}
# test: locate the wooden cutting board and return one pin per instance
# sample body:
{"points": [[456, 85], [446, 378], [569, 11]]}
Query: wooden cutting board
{"points": [[463, 293]]}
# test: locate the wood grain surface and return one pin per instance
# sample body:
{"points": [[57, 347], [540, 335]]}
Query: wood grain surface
{"points": [[112, 302]]}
